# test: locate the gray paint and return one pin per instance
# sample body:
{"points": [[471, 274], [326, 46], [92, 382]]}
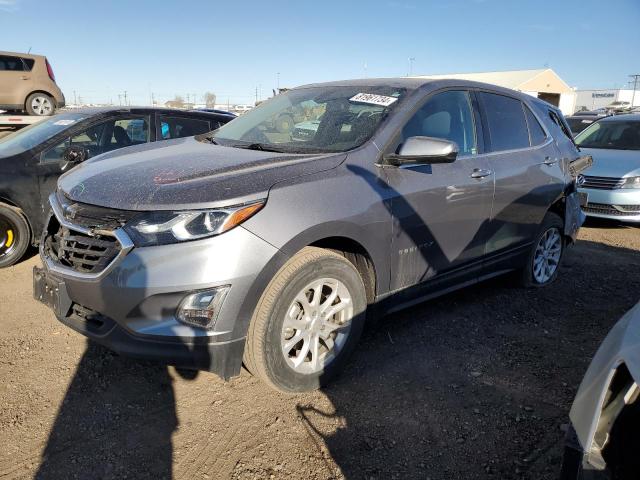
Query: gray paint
{"points": [[418, 224]]}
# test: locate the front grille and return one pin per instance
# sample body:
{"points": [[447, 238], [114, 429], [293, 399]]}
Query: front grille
{"points": [[614, 210], [92, 216], [602, 183], [78, 251]]}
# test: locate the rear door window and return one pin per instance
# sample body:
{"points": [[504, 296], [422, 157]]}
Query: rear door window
{"points": [[507, 127], [11, 64], [178, 127]]}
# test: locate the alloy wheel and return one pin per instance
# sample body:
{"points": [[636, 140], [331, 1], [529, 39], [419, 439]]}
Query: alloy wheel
{"points": [[316, 325], [547, 255]]}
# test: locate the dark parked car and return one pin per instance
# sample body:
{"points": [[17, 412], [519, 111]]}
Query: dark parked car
{"points": [[578, 123], [31, 159], [249, 246]]}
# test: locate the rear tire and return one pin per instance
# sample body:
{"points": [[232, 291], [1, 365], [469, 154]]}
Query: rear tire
{"points": [[547, 251], [15, 235], [40, 104], [295, 343]]}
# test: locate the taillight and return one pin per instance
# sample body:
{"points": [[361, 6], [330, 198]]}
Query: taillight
{"points": [[50, 70]]}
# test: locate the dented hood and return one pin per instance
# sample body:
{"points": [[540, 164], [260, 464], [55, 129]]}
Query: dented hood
{"points": [[185, 174]]}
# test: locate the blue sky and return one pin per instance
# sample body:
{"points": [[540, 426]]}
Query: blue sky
{"points": [[100, 49]]}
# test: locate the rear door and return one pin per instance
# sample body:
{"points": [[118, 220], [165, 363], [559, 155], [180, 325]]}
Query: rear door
{"points": [[440, 211], [528, 176], [15, 78]]}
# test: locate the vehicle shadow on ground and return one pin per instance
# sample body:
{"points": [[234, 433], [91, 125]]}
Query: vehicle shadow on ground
{"points": [[116, 421], [475, 384]]}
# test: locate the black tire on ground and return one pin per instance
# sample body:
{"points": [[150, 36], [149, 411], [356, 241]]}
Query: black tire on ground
{"points": [[263, 355], [15, 235], [527, 277], [45, 112], [284, 123]]}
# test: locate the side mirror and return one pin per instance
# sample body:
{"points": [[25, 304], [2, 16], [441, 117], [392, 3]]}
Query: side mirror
{"points": [[422, 151], [73, 156]]}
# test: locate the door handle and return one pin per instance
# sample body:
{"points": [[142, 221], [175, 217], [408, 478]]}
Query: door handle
{"points": [[480, 173], [550, 161]]}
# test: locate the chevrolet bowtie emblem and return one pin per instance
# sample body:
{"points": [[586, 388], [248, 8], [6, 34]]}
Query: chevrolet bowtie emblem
{"points": [[70, 211]]}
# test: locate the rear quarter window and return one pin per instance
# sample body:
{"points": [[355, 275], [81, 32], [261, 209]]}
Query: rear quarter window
{"points": [[28, 64], [536, 132]]}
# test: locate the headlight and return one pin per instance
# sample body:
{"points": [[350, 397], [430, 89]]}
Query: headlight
{"points": [[161, 228], [631, 182]]}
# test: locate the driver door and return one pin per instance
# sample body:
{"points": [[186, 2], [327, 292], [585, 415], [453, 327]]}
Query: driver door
{"points": [[441, 211]]}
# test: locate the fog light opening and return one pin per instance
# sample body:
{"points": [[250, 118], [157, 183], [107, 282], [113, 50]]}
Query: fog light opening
{"points": [[201, 309]]}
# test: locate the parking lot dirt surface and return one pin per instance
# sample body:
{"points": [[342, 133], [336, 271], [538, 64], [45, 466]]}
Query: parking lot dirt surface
{"points": [[476, 384]]}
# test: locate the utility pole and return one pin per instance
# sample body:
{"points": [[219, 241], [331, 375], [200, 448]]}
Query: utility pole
{"points": [[635, 87], [125, 98], [119, 99], [75, 99], [194, 100], [256, 94], [278, 75], [411, 60]]}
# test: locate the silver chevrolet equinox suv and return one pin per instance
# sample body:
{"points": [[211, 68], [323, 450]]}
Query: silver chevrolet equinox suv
{"points": [[257, 246]]}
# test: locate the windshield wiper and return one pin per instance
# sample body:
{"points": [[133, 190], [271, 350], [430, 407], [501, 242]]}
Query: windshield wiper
{"points": [[209, 138], [259, 146]]}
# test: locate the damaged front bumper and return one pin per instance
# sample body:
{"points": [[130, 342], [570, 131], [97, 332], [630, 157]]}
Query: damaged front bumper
{"points": [[131, 304]]}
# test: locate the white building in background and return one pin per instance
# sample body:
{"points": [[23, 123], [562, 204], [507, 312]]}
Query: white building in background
{"points": [[543, 83], [592, 99]]}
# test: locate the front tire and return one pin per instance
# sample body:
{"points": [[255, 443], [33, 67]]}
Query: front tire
{"points": [[14, 235], [547, 251], [40, 105], [307, 322]]}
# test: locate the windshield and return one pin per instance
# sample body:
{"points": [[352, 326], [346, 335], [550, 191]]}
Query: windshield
{"points": [[33, 135], [312, 120], [615, 135]]}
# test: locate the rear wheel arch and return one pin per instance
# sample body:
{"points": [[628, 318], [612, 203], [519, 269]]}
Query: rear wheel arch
{"points": [[44, 92]]}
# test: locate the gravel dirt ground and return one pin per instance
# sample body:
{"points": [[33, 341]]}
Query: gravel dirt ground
{"points": [[477, 384]]}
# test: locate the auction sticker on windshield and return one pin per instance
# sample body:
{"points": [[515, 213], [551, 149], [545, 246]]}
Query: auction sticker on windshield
{"points": [[64, 122], [373, 99]]}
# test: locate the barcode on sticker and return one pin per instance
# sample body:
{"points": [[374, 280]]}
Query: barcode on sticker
{"points": [[373, 99]]}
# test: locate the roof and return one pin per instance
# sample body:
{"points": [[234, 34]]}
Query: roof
{"points": [[622, 117], [522, 80], [414, 83], [17, 54], [108, 109]]}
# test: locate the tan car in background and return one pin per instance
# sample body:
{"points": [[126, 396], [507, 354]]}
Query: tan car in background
{"points": [[27, 83]]}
